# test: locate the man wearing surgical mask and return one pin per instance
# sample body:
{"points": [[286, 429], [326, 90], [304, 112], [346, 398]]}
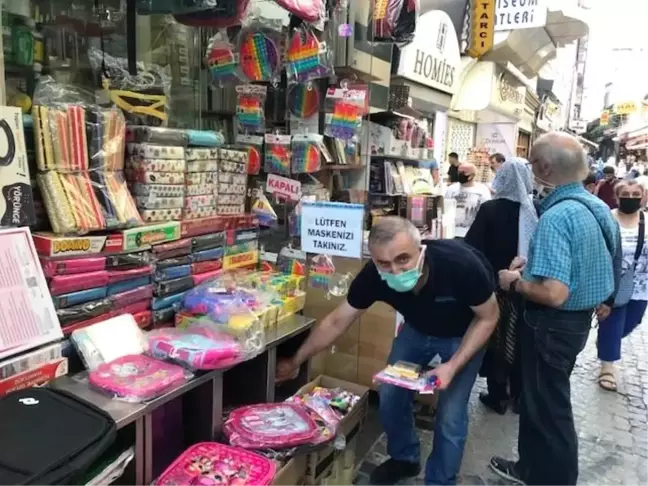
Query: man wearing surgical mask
{"points": [[469, 195], [444, 289]]}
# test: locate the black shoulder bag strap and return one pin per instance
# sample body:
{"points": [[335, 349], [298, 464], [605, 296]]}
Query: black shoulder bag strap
{"points": [[640, 238]]}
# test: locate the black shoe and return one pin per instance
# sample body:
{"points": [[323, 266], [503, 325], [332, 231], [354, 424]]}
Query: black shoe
{"points": [[497, 406], [506, 469], [515, 406], [392, 471]]}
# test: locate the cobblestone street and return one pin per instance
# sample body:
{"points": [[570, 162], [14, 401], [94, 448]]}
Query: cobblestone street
{"points": [[612, 427]]}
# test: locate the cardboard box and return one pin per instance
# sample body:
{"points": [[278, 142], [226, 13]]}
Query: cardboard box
{"points": [[322, 464], [293, 473], [17, 201]]}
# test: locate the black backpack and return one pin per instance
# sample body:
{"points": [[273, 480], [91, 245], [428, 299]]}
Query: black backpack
{"points": [[49, 436]]}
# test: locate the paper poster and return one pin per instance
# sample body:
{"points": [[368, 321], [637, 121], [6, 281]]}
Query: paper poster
{"points": [[497, 137], [331, 228], [27, 315]]}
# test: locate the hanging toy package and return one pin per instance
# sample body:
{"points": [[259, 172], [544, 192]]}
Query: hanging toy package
{"points": [[307, 58], [250, 108], [277, 154], [306, 154], [263, 210], [393, 21], [311, 11], [320, 272], [254, 147], [259, 52], [303, 100], [216, 14], [221, 60], [291, 261], [344, 109]]}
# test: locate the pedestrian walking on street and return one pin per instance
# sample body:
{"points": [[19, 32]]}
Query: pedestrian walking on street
{"points": [[502, 231], [605, 187], [632, 297], [569, 273]]}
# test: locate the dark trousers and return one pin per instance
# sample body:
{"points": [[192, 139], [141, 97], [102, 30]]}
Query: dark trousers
{"points": [[550, 340], [505, 382]]}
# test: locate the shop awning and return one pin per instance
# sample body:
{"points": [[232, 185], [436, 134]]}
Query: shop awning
{"points": [[530, 49]]}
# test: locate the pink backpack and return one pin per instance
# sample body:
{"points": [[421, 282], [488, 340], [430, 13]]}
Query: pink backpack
{"points": [[271, 425], [136, 377], [213, 464]]}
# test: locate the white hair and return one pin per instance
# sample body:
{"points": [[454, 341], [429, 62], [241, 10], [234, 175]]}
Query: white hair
{"points": [[386, 229], [563, 153]]}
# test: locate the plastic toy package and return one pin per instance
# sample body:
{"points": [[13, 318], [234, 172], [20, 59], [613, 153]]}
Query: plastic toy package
{"points": [[225, 310], [277, 154], [320, 272], [254, 146], [291, 261], [259, 51], [211, 463], [270, 426], [303, 100], [250, 108], [198, 347], [221, 60], [142, 97], [344, 109], [393, 21], [263, 210], [137, 378], [306, 154], [307, 57], [409, 376]]}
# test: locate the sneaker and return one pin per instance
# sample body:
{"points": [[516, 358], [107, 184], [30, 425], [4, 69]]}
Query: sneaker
{"points": [[392, 471], [506, 469], [497, 406]]}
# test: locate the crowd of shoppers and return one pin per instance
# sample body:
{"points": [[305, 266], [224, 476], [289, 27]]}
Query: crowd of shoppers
{"points": [[555, 247]]}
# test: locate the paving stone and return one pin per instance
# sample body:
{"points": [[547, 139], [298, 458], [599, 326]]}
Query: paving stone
{"points": [[612, 427]]}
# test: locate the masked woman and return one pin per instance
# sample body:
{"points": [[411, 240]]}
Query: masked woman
{"points": [[502, 231], [632, 295]]}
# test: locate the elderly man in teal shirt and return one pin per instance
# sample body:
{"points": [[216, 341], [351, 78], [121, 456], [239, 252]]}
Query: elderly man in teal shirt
{"points": [[570, 272]]}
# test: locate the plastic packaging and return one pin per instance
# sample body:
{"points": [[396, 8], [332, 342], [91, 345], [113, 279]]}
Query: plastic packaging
{"points": [[167, 301], [167, 273], [163, 136], [173, 262], [63, 284], [213, 254], [127, 285], [277, 154], [143, 319], [306, 155], [250, 108], [408, 376], [259, 53], [308, 10], [133, 296], [393, 21], [136, 378], [263, 210], [204, 462], [254, 146], [344, 109], [270, 425], [205, 138], [206, 266], [221, 60], [173, 286], [137, 163], [207, 242], [201, 278], [320, 272], [196, 348], [307, 58], [115, 276], [79, 297], [228, 13], [81, 312], [303, 100], [158, 190], [128, 260], [71, 266]]}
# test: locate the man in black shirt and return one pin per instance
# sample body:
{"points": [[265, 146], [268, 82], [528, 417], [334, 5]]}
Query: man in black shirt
{"points": [[444, 289], [453, 171]]}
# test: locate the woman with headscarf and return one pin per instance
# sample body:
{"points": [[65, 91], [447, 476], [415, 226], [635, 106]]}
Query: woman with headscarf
{"points": [[502, 231]]}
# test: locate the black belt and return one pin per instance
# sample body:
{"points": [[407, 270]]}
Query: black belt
{"points": [[533, 306]]}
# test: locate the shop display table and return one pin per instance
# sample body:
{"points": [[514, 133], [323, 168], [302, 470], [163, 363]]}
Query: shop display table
{"points": [[201, 397]]}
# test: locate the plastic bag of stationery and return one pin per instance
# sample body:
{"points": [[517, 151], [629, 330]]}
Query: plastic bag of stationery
{"points": [[393, 21], [81, 202], [143, 97], [230, 313], [344, 110], [72, 133], [114, 353]]}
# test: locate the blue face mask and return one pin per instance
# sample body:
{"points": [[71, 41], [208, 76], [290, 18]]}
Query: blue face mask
{"points": [[404, 281]]}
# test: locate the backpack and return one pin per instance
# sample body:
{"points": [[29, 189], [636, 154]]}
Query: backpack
{"points": [[50, 436]]}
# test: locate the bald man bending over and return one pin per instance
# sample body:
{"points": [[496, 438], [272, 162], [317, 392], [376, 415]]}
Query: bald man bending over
{"points": [[569, 274]]}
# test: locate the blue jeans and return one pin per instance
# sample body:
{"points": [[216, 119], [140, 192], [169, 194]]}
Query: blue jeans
{"points": [[451, 427], [621, 322]]}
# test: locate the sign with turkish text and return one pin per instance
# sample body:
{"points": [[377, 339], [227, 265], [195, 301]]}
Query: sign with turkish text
{"points": [[520, 14], [332, 228], [625, 108], [283, 187], [578, 126], [497, 138], [605, 118], [482, 27], [432, 58], [240, 260]]}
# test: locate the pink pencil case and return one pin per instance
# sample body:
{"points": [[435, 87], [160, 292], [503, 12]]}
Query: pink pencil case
{"points": [[212, 464], [115, 276], [135, 307], [203, 277], [70, 266], [136, 377], [133, 296], [197, 349], [63, 284]]}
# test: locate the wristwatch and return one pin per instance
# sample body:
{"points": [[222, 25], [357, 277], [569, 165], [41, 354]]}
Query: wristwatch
{"points": [[514, 284]]}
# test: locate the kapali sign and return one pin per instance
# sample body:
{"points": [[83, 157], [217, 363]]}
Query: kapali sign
{"points": [[432, 58]]}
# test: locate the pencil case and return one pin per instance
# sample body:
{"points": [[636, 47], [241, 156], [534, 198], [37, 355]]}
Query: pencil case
{"points": [[64, 284], [155, 151], [126, 260], [168, 287], [192, 154], [199, 178], [199, 212], [173, 262], [203, 277], [157, 135], [158, 190], [115, 276], [138, 163], [163, 316], [126, 285], [168, 273], [162, 302], [151, 177], [129, 297], [161, 215], [71, 266], [212, 254], [206, 266], [84, 311], [207, 242], [202, 166], [79, 297], [199, 189]]}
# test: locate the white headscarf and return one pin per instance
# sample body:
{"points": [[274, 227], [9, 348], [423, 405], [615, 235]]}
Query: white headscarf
{"points": [[514, 182]]}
